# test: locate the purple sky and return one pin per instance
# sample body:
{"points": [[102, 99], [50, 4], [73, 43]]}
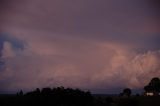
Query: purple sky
{"points": [[100, 45]]}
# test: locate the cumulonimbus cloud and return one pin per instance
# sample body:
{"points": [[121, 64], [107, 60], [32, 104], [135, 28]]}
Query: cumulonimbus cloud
{"points": [[93, 66], [88, 44]]}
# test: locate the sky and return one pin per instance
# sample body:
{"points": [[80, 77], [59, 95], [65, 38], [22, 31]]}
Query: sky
{"points": [[97, 45]]}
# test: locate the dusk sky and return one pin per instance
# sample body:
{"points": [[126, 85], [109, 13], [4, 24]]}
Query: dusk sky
{"points": [[97, 45]]}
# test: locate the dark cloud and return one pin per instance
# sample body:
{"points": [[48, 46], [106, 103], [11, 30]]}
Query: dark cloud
{"points": [[108, 20], [16, 45], [155, 3]]}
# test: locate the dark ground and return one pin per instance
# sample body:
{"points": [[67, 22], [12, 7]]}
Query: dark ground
{"points": [[93, 100]]}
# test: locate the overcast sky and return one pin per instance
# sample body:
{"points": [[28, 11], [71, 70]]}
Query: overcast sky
{"points": [[100, 45]]}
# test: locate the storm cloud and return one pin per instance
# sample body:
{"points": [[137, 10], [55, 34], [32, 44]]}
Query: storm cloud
{"points": [[88, 44]]}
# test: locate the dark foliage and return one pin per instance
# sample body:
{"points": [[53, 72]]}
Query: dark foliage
{"points": [[128, 102], [61, 96], [51, 97], [153, 86], [126, 92]]}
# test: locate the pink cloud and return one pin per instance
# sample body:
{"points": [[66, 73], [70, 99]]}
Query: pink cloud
{"points": [[87, 44], [86, 64]]}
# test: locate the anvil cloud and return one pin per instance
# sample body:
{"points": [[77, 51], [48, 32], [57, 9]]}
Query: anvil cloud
{"points": [[89, 44]]}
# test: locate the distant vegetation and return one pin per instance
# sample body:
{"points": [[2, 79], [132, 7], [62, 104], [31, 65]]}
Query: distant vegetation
{"points": [[61, 96], [153, 86]]}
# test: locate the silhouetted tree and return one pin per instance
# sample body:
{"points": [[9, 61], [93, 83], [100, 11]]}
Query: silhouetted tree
{"points": [[37, 91], [46, 91], [20, 93], [59, 96], [127, 92], [148, 88], [153, 86]]}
